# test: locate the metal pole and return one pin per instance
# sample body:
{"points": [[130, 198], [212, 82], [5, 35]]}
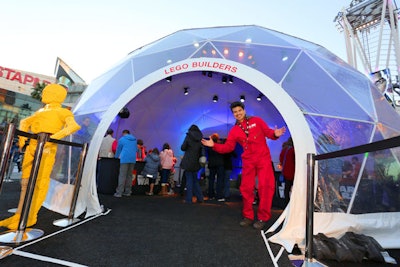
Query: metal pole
{"points": [[71, 220], [24, 234], [10, 166], [42, 138], [6, 145], [310, 207]]}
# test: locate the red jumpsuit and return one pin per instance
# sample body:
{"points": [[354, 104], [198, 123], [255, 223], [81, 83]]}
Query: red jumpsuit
{"points": [[256, 160]]}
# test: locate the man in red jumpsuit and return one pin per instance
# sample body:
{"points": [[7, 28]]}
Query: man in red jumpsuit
{"points": [[250, 133]]}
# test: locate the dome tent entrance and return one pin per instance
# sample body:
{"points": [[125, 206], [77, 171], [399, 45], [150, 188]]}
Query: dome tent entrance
{"points": [[305, 87]]}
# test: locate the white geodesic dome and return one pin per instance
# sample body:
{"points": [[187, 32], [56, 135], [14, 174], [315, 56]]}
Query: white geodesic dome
{"points": [[303, 86]]}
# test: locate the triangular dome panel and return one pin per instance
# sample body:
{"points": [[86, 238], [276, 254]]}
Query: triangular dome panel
{"points": [[314, 91], [384, 111], [144, 65], [114, 85], [208, 50], [352, 82], [254, 35]]}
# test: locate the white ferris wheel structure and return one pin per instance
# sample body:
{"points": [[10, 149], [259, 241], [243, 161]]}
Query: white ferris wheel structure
{"points": [[370, 29]]}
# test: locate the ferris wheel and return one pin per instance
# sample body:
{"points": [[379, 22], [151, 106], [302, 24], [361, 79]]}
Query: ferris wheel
{"points": [[370, 29]]}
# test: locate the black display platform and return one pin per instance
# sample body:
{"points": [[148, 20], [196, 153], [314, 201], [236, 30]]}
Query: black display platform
{"points": [[107, 175]]}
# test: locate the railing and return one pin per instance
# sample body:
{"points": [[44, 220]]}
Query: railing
{"points": [[311, 159], [24, 234]]}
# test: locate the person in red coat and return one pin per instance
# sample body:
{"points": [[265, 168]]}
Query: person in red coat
{"points": [[250, 133], [287, 165]]}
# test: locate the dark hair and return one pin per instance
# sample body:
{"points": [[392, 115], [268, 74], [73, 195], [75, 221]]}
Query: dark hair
{"points": [[215, 137], [166, 146], [194, 127], [290, 141], [125, 132], [109, 131], [237, 104], [155, 151], [140, 142]]}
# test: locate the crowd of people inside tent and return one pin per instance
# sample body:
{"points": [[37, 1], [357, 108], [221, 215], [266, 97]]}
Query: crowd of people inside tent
{"points": [[156, 169]]}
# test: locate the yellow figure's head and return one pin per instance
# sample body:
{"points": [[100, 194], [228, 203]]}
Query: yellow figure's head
{"points": [[54, 93]]}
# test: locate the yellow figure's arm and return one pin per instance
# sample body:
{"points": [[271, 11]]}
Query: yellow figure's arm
{"points": [[24, 126], [70, 127]]}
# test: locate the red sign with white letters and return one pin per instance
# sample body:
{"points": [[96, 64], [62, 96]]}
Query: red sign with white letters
{"points": [[21, 82]]}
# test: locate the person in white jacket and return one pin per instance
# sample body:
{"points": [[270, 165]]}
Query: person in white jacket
{"points": [[108, 145]]}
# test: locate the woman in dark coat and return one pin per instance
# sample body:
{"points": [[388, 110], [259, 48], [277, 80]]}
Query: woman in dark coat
{"points": [[190, 162]]}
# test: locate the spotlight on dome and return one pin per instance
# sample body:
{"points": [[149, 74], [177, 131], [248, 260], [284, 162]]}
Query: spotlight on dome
{"points": [[124, 113], [259, 97], [242, 98], [224, 79], [186, 91], [215, 99]]}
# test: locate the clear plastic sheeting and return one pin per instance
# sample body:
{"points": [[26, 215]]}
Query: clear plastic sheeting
{"points": [[365, 183], [63, 176]]}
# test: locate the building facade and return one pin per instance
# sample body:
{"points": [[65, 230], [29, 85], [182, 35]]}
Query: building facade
{"points": [[16, 86]]}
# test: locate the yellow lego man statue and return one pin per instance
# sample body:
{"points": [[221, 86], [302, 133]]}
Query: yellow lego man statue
{"points": [[57, 121]]}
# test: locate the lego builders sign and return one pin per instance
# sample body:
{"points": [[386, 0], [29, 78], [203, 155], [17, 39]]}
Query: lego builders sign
{"points": [[200, 64], [20, 81]]}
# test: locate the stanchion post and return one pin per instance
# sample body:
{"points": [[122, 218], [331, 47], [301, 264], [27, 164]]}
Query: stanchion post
{"points": [[42, 139], [310, 207], [6, 145], [78, 179], [23, 233]]}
